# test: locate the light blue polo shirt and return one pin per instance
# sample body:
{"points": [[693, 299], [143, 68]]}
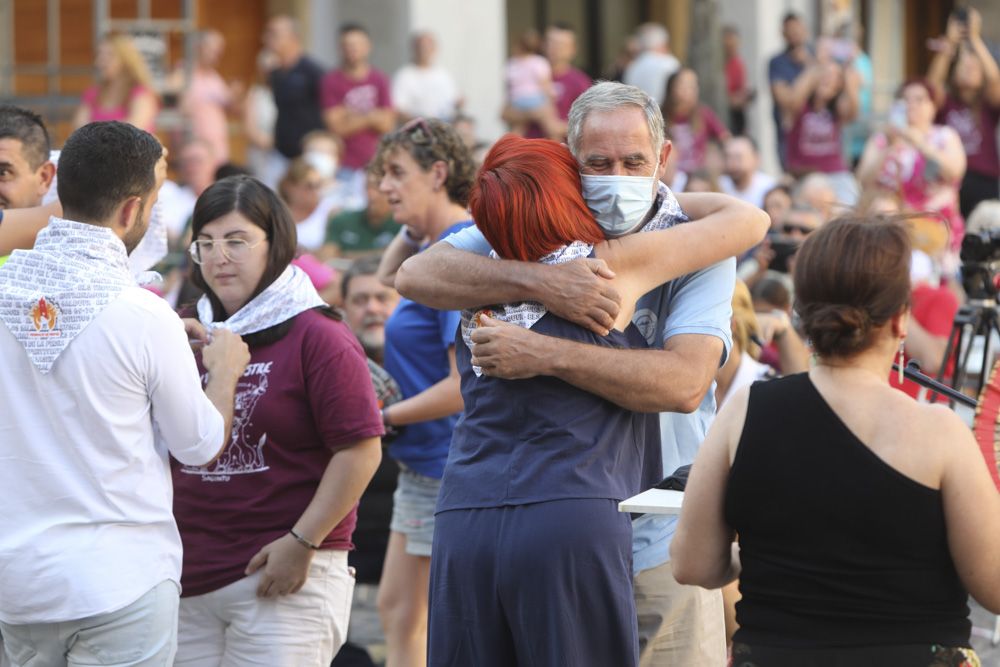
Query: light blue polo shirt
{"points": [[696, 303]]}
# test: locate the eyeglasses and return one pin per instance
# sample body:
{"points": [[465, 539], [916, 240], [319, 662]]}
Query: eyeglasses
{"points": [[790, 227], [235, 250], [418, 131]]}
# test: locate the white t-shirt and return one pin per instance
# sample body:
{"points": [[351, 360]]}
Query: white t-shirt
{"points": [[650, 72], [760, 185], [312, 231], [177, 204], [429, 92], [86, 522]]}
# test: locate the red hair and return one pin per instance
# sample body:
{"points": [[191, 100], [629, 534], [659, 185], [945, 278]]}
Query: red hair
{"points": [[526, 199]]}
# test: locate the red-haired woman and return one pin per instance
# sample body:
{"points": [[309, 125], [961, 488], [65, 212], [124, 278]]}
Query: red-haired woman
{"points": [[532, 560]]}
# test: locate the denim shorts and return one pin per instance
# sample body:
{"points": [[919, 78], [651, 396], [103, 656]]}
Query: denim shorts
{"points": [[413, 505]]}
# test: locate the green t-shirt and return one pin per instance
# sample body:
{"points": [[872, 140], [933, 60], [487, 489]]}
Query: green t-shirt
{"points": [[350, 232], [3, 260]]}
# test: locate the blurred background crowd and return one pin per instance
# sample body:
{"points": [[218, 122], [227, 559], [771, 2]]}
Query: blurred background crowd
{"points": [[805, 108]]}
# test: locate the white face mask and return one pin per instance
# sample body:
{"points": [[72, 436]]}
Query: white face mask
{"points": [[323, 163], [619, 203]]}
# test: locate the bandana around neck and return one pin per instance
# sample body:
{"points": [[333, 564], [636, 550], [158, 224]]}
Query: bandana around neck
{"points": [[290, 294], [49, 294], [527, 313]]}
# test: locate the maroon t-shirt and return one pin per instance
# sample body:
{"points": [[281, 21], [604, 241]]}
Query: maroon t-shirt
{"points": [[691, 143], [299, 401], [814, 142], [568, 86], [978, 134], [361, 96]]}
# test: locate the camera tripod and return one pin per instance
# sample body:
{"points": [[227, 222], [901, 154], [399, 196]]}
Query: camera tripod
{"points": [[981, 316]]}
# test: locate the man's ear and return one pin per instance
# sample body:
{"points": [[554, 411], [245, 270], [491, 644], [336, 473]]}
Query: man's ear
{"points": [[664, 156], [46, 172], [128, 215]]}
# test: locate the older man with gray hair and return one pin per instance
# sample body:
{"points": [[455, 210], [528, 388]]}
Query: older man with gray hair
{"points": [[615, 131], [655, 63]]}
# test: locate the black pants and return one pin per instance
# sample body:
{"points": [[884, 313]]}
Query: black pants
{"points": [[976, 187], [737, 120], [917, 655]]}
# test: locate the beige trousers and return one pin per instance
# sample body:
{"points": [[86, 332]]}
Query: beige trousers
{"points": [[678, 625]]}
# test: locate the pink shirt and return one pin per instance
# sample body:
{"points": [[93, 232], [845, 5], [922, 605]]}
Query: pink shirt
{"points": [[978, 134], [362, 96], [204, 104], [692, 143], [120, 112], [814, 142], [299, 401], [525, 76], [904, 172]]}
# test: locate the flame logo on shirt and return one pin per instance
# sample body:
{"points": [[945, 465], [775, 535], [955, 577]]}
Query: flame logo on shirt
{"points": [[44, 311]]}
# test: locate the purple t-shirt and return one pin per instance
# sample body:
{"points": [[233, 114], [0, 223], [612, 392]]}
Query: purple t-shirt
{"points": [[360, 95], [814, 142], [299, 401], [978, 134], [690, 143], [567, 87]]}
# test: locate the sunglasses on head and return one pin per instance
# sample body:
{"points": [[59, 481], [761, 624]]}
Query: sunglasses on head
{"points": [[418, 131], [790, 227]]}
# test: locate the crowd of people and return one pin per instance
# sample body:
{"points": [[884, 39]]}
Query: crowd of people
{"points": [[387, 368]]}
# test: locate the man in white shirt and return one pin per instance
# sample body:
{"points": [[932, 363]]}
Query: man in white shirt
{"points": [[421, 88], [99, 386], [742, 178], [655, 64]]}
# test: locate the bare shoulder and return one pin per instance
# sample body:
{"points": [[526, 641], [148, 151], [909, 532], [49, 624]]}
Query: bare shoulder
{"points": [[939, 428]]}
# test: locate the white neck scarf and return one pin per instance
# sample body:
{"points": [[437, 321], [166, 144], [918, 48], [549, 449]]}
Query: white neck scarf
{"points": [[49, 294], [290, 294], [527, 313]]}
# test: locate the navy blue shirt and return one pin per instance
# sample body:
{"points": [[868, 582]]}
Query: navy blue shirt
{"points": [[417, 339], [783, 67], [541, 439], [296, 96]]}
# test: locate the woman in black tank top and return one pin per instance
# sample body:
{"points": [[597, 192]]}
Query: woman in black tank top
{"points": [[864, 519]]}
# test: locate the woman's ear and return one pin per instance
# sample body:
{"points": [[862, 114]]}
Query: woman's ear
{"points": [[439, 171], [900, 322]]}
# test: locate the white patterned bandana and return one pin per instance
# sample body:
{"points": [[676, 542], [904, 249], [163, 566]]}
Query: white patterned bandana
{"points": [[291, 293], [49, 294], [527, 313]]}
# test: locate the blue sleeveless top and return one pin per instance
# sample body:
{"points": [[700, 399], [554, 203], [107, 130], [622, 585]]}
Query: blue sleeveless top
{"points": [[541, 439]]}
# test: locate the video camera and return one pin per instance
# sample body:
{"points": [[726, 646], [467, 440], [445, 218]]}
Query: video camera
{"points": [[980, 257]]}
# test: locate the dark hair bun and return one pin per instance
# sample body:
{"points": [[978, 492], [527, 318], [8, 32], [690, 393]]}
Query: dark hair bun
{"points": [[836, 329]]}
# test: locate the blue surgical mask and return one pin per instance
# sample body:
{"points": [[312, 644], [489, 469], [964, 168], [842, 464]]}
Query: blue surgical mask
{"points": [[619, 203]]}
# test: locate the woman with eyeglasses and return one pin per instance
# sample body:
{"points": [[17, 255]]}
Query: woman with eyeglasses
{"points": [[301, 188], [426, 173], [857, 520], [267, 527]]}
